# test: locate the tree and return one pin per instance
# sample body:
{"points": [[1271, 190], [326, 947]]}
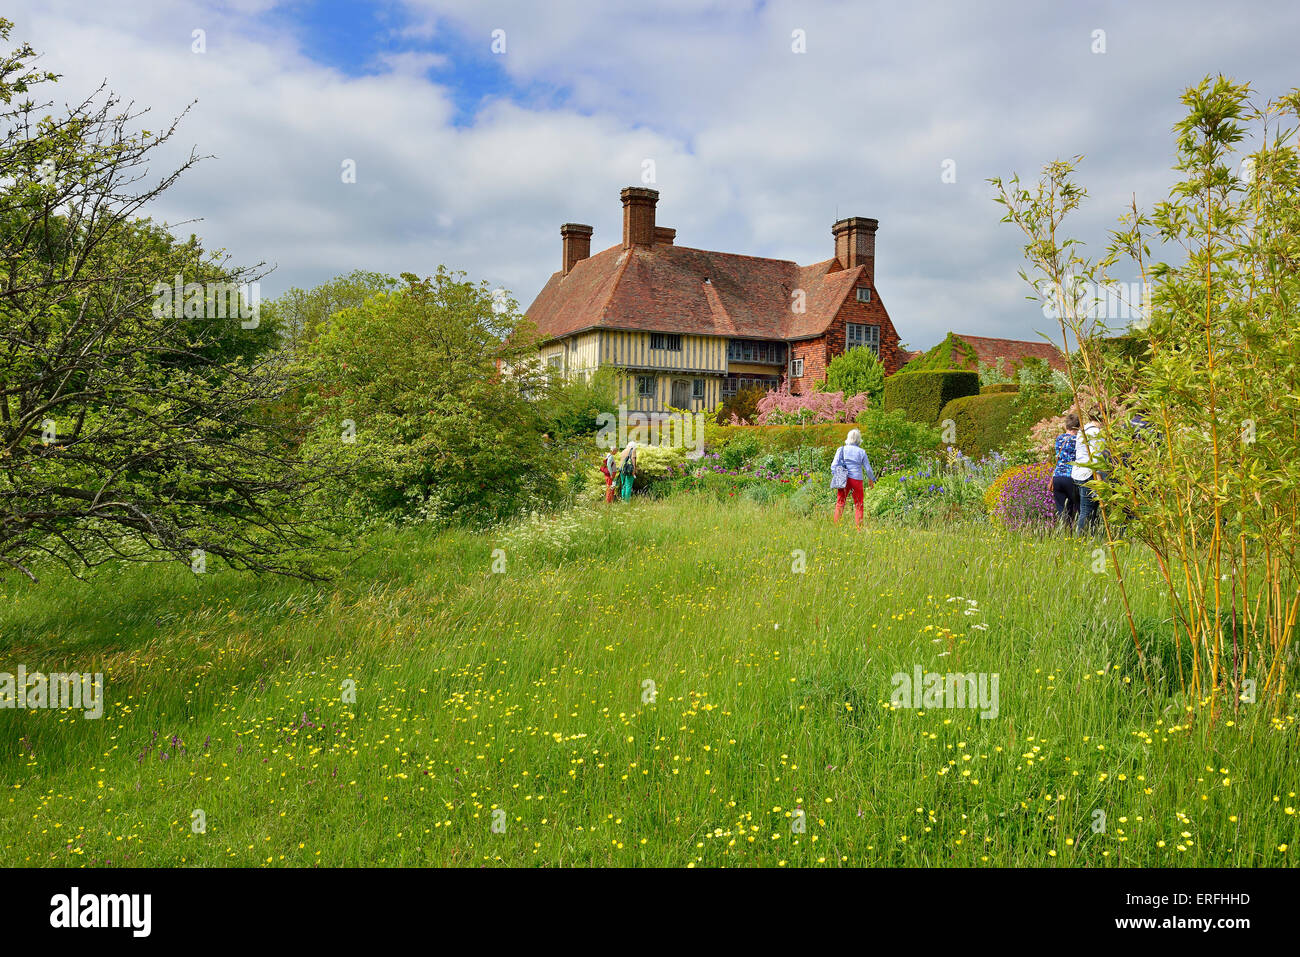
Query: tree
{"points": [[856, 372], [134, 373], [419, 397], [1200, 410], [303, 314]]}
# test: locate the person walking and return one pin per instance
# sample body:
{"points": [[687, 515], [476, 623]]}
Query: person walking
{"points": [[1065, 494], [849, 471], [607, 466], [1087, 457], [627, 471]]}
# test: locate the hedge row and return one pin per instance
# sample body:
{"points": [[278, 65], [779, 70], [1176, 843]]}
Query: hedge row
{"points": [[989, 422], [922, 395], [783, 437], [981, 421]]}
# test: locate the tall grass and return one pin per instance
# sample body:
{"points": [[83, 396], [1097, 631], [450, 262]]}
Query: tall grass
{"points": [[766, 737]]}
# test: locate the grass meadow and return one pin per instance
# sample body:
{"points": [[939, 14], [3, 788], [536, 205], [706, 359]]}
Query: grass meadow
{"points": [[505, 717]]}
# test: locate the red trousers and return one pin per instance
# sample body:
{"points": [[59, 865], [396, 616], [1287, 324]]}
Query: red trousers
{"points": [[609, 486], [855, 486]]}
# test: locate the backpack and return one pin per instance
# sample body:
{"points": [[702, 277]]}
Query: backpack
{"points": [[627, 468]]}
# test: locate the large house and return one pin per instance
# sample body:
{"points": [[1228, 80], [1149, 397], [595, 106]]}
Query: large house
{"points": [[689, 327]]}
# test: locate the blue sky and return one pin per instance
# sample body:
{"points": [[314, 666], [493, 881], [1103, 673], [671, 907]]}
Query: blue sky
{"points": [[473, 159]]}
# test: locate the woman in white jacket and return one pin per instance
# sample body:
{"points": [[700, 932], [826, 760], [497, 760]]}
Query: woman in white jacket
{"points": [[853, 460], [1087, 457]]}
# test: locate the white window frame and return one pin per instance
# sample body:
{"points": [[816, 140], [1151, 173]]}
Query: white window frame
{"points": [[796, 368], [864, 293]]}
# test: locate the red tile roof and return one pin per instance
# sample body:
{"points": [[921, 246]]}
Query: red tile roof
{"points": [[1012, 350], [679, 289]]}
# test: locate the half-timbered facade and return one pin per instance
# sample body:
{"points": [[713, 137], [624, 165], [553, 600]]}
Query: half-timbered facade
{"points": [[688, 327]]}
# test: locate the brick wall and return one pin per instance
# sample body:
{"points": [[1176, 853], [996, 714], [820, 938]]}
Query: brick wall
{"points": [[818, 353]]}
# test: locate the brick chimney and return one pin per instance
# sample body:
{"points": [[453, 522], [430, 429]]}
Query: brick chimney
{"points": [[639, 216], [575, 239], [855, 244], [664, 236]]}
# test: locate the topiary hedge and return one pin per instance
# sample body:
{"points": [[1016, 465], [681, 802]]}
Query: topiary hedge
{"points": [[993, 421], [922, 395], [982, 421], [999, 387]]}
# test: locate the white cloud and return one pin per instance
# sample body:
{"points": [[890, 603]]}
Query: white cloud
{"points": [[757, 149]]}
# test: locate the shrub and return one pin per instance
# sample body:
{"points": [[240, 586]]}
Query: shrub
{"points": [[856, 372], [922, 395], [655, 462], [572, 406], [1026, 498], [441, 431], [981, 421], [894, 442], [995, 387], [740, 450], [1021, 497], [782, 408], [743, 406]]}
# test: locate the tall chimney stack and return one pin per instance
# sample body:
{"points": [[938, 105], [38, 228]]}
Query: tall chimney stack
{"points": [[855, 244], [575, 239], [639, 216]]}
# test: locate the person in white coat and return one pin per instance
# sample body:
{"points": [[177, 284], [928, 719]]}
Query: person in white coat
{"points": [[1087, 458], [851, 457]]}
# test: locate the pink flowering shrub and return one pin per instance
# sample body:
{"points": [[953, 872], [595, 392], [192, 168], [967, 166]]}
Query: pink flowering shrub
{"points": [[1024, 499], [782, 408]]}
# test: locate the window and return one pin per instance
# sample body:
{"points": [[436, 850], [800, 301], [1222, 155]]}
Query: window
{"points": [[697, 388], [796, 368], [860, 334], [749, 350], [735, 383], [669, 342], [556, 361], [645, 385], [864, 294]]}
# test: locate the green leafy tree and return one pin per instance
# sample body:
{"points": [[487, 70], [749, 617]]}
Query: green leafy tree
{"points": [[301, 314], [420, 399], [570, 406], [132, 421], [856, 372], [1200, 410]]}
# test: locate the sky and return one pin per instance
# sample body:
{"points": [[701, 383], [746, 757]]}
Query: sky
{"points": [[477, 128]]}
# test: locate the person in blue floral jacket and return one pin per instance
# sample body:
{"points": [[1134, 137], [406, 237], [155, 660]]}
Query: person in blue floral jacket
{"points": [[1064, 492]]}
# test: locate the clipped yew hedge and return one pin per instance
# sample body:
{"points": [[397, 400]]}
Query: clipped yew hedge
{"points": [[828, 435], [1000, 387], [992, 421], [982, 421], [922, 395]]}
